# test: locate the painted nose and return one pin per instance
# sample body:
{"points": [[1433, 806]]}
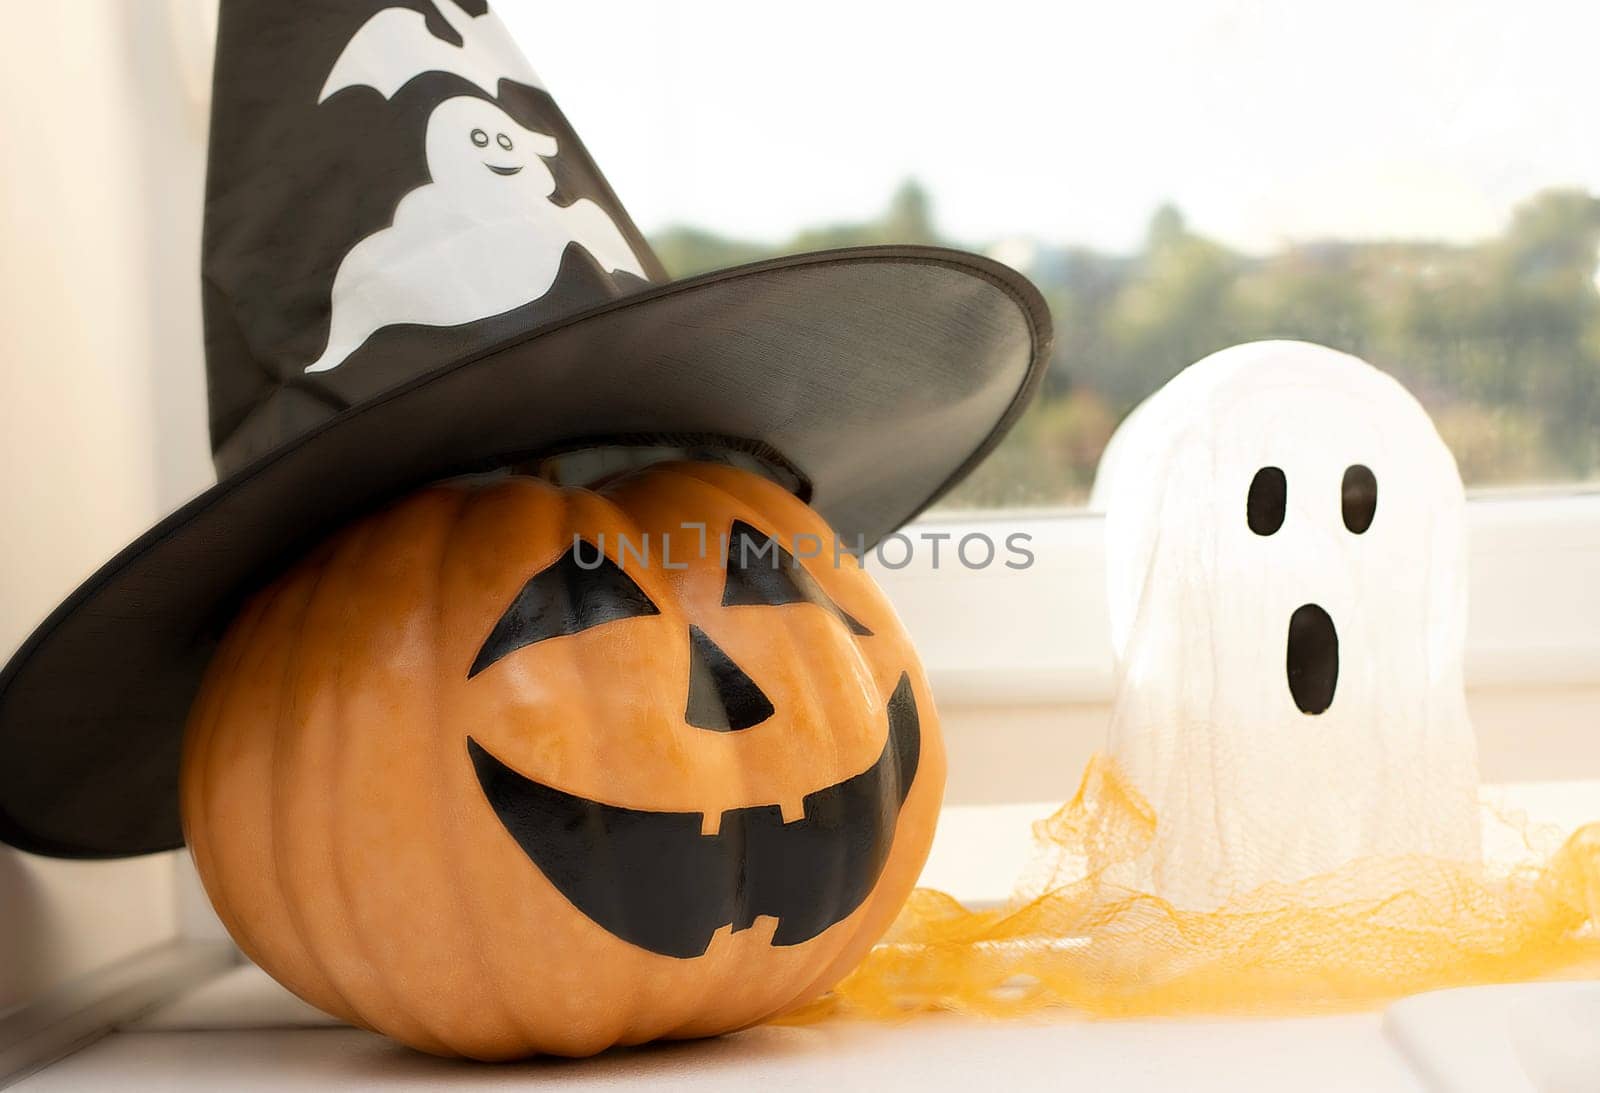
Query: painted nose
{"points": [[721, 697], [1313, 659]]}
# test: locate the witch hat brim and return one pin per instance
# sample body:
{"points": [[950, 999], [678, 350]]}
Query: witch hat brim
{"points": [[878, 376]]}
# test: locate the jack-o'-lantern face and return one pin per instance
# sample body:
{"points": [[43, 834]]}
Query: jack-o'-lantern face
{"points": [[648, 761], [668, 880]]}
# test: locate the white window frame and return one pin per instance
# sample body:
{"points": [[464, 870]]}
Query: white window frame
{"points": [[1021, 667], [998, 636]]}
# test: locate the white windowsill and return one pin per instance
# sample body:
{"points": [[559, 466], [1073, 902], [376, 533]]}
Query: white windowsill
{"points": [[232, 1027], [1021, 667]]}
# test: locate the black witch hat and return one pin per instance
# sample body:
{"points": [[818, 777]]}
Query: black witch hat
{"points": [[413, 270]]}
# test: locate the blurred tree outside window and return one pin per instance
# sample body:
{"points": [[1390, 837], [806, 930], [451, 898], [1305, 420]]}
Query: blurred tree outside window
{"points": [[1500, 339]]}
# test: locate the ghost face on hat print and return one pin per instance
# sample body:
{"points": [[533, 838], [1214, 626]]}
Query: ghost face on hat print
{"points": [[1286, 580], [482, 236]]}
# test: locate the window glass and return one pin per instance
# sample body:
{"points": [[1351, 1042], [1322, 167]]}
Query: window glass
{"points": [[1411, 183]]}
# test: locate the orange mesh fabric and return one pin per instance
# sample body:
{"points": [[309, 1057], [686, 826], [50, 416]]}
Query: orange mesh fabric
{"points": [[1371, 931]]}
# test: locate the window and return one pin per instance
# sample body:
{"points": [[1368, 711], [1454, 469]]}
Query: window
{"points": [[1207, 174], [1197, 180]]}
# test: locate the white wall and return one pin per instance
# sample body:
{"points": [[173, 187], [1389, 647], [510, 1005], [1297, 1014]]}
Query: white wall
{"points": [[102, 419]]}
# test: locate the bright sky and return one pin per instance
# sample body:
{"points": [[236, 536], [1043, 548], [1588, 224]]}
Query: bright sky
{"points": [[1070, 122]]}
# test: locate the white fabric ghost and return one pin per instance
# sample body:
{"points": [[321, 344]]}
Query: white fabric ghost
{"points": [[480, 238], [1287, 588]]}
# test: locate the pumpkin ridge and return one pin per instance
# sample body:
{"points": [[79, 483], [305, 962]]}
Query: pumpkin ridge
{"points": [[316, 982], [766, 505], [712, 985], [630, 1018], [351, 558], [199, 739], [872, 919], [450, 819], [276, 781], [335, 564]]}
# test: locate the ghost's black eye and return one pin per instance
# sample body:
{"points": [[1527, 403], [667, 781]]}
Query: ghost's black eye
{"points": [[480, 138], [1358, 497], [1269, 492], [578, 591], [760, 571], [503, 141]]}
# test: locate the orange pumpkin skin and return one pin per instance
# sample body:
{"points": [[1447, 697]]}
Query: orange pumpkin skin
{"points": [[345, 840]]}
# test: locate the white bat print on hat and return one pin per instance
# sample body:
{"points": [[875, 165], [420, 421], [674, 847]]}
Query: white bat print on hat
{"points": [[395, 46]]}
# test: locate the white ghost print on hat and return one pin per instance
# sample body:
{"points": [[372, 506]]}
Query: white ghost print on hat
{"points": [[479, 239], [482, 236], [1286, 575]]}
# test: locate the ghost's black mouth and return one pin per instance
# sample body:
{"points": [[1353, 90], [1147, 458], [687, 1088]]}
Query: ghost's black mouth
{"points": [[1313, 659], [502, 170], [652, 879]]}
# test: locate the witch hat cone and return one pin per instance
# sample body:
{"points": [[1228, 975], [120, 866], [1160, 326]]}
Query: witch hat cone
{"points": [[413, 269]]}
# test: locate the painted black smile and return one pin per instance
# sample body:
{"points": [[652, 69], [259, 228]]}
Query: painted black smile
{"points": [[652, 878], [502, 170]]}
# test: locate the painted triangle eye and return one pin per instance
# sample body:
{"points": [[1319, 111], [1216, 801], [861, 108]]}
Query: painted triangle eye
{"points": [[575, 593], [760, 571]]}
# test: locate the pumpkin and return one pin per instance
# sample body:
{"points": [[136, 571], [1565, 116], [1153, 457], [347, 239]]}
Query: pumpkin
{"points": [[511, 768]]}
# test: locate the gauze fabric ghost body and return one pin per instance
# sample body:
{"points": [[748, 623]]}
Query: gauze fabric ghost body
{"points": [[1248, 788]]}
